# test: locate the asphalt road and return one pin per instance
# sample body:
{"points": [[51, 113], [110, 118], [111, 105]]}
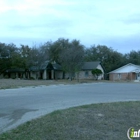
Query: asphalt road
{"points": [[20, 105]]}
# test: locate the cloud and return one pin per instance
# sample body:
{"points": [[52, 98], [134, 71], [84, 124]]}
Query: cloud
{"points": [[123, 44], [132, 19], [92, 22]]}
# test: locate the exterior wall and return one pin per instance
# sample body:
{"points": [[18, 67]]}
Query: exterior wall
{"points": [[58, 75], [13, 75], [87, 74], [84, 75], [102, 75], [122, 76], [34, 75], [66, 75], [46, 75], [133, 76], [1, 76]]}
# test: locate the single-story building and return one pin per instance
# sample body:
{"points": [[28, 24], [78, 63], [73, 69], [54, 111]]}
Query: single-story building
{"points": [[14, 73], [86, 71], [54, 71], [50, 71], [47, 71], [126, 72]]}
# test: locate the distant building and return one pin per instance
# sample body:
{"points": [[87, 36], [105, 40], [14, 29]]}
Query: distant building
{"points": [[48, 71], [126, 72], [86, 71]]}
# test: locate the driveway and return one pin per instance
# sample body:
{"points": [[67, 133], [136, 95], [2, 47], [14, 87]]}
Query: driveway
{"points": [[20, 105]]}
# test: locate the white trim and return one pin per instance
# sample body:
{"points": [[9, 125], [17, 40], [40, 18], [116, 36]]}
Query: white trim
{"points": [[129, 64], [137, 70]]}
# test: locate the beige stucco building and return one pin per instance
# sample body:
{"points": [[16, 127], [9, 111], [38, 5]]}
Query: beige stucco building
{"points": [[86, 71], [51, 71]]}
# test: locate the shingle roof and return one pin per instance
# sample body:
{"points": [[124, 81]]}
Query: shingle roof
{"points": [[56, 66], [15, 70], [34, 68], [44, 65], [90, 65], [126, 68]]}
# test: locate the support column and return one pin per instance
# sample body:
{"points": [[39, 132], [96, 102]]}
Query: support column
{"points": [[44, 75], [16, 75], [52, 74]]}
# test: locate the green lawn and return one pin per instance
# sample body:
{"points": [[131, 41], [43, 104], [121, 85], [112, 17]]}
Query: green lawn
{"points": [[106, 121]]}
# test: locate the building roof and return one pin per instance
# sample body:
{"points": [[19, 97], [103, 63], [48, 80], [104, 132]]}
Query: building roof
{"points": [[15, 70], [127, 68], [44, 65], [90, 65], [57, 66], [34, 68]]}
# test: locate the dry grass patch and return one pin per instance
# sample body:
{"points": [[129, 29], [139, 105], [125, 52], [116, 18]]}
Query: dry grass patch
{"points": [[106, 121], [16, 83]]}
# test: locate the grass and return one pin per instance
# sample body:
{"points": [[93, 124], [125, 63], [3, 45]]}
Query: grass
{"points": [[17, 83], [106, 121]]}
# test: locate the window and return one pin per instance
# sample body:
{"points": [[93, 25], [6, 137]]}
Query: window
{"points": [[119, 76], [86, 73]]}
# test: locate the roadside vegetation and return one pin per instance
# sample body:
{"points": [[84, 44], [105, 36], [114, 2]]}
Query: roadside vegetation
{"points": [[18, 83], [105, 121], [70, 54]]}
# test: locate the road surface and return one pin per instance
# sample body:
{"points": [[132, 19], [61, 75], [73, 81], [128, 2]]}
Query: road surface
{"points": [[20, 105]]}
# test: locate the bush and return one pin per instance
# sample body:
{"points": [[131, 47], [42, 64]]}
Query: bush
{"points": [[96, 73]]}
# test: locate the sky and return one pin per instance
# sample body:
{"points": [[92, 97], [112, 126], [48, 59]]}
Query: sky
{"points": [[114, 23]]}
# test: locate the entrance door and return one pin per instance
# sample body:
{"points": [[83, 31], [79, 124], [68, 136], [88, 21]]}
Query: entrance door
{"points": [[49, 74]]}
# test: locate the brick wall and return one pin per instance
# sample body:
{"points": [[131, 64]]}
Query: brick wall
{"points": [[122, 76]]}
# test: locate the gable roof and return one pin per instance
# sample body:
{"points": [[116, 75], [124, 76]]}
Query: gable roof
{"points": [[15, 70], [56, 66], [44, 65], [90, 65], [126, 68], [34, 68]]}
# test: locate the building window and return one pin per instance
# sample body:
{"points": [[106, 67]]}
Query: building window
{"points": [[86, 73], [119, 76]]}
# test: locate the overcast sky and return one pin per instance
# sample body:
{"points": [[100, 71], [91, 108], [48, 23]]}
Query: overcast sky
{"points": [[115, 23]]}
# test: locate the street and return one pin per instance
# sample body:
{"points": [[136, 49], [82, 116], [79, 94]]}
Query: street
{"points": [[23, 104]]}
